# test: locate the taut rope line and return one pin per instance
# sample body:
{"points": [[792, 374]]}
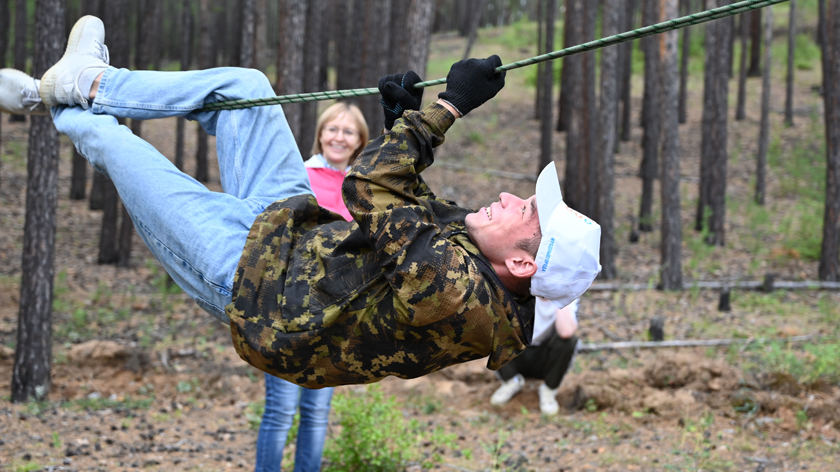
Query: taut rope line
{"points": [[677, 23]]}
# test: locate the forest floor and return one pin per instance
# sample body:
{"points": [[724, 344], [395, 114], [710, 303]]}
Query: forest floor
{"points": [[143, 379]]}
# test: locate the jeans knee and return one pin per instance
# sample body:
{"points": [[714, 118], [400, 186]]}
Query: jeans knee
{"points": [[255, 83]]}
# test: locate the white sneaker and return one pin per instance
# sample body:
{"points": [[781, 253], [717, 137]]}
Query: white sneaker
{"points": [[548, 400], [508, 389], [85, 49], [19, 93]]}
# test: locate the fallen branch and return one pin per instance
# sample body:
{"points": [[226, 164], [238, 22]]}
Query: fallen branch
{"points": [[590, 347]]}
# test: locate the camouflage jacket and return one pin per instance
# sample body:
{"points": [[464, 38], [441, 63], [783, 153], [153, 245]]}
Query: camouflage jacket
{"points": [[401, 290]]}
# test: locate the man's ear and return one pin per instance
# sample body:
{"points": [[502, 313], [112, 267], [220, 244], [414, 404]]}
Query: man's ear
{"points": [[521, 266]]}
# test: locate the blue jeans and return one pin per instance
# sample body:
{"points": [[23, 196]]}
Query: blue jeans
{"points": [[197, 235], [281, 401]]}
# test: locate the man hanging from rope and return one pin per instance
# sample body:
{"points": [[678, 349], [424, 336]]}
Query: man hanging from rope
{"points": [[412, 285]]}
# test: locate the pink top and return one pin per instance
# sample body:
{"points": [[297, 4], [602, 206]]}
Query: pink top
{"points": [[326, 185]]}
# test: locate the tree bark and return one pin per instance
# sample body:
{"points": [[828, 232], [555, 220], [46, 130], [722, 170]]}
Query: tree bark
{"points": [[78, 177], [652, 117], [311, 73], [686, 50], [474, 21], [791, 49], [606, 159], [20, 49], [627, 73], [185, 57], [4, 31], [260, 36], [829, 269], [575, 132], [207, 60], [568, 64], [546, 83], [374, 58], [420, 15], [96, 200], [755, 43], [247, 33], [33, 351], [714, 141], [764, 128], [290, 58], [742, 70], [591, 120], [670, 275]]}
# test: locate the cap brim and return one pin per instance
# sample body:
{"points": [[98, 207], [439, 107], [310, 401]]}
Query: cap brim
{"points": [[548, 194]]}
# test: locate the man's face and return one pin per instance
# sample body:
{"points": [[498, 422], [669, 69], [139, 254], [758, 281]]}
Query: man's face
{"points": [[496, 229]]}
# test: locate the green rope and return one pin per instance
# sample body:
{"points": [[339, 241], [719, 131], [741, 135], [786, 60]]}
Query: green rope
{"points": [[677, 23]]}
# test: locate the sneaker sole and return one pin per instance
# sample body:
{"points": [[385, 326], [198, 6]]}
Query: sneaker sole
{"points": [[50, 78]]}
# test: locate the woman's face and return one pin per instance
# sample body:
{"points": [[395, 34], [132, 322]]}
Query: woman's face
{"points": [[339, 140]]}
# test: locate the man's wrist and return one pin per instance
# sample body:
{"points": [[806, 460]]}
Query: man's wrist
{"points": [[449, 107]]}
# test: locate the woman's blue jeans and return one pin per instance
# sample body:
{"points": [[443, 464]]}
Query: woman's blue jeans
{"points": [[281, 401], [197, 235]]}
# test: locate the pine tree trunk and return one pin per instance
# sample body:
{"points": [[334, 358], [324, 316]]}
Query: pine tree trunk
{"points": [[546, 83], [564, 107], [791, 49], [652, 117], [311, 73], [670, 275], [185, 56], [33, 350], [764, 128], [474, 21], [740, 113], [575, 137], [4, 31], [829, 269], [374, 60], [343, 58], [606, 156], [20, 49], [420, 16], [290, 59], [260, 36], [207, 60], [21, 37], [627, 73], [96, 200], [714, 140], [686, 50], [78, 177], [591, 121], [755, 43]]}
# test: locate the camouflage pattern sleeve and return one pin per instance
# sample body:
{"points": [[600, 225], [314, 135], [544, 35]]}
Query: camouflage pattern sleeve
{"points": [[431, 277]]}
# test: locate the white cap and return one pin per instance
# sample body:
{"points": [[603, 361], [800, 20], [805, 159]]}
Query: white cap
{"points": [[568, 257]]}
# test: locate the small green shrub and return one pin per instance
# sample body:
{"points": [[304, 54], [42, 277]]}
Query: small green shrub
{"points": [[374, 434]]}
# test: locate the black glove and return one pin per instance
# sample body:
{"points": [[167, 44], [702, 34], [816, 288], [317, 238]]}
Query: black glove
{"points": [[472, 82], [398, 94]]}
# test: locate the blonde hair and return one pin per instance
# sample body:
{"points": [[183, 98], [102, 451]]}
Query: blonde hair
{"points": [[333, 112]]}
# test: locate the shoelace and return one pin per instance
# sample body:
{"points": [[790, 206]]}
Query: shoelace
{"points": [[31, 97], [102, 51]]}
